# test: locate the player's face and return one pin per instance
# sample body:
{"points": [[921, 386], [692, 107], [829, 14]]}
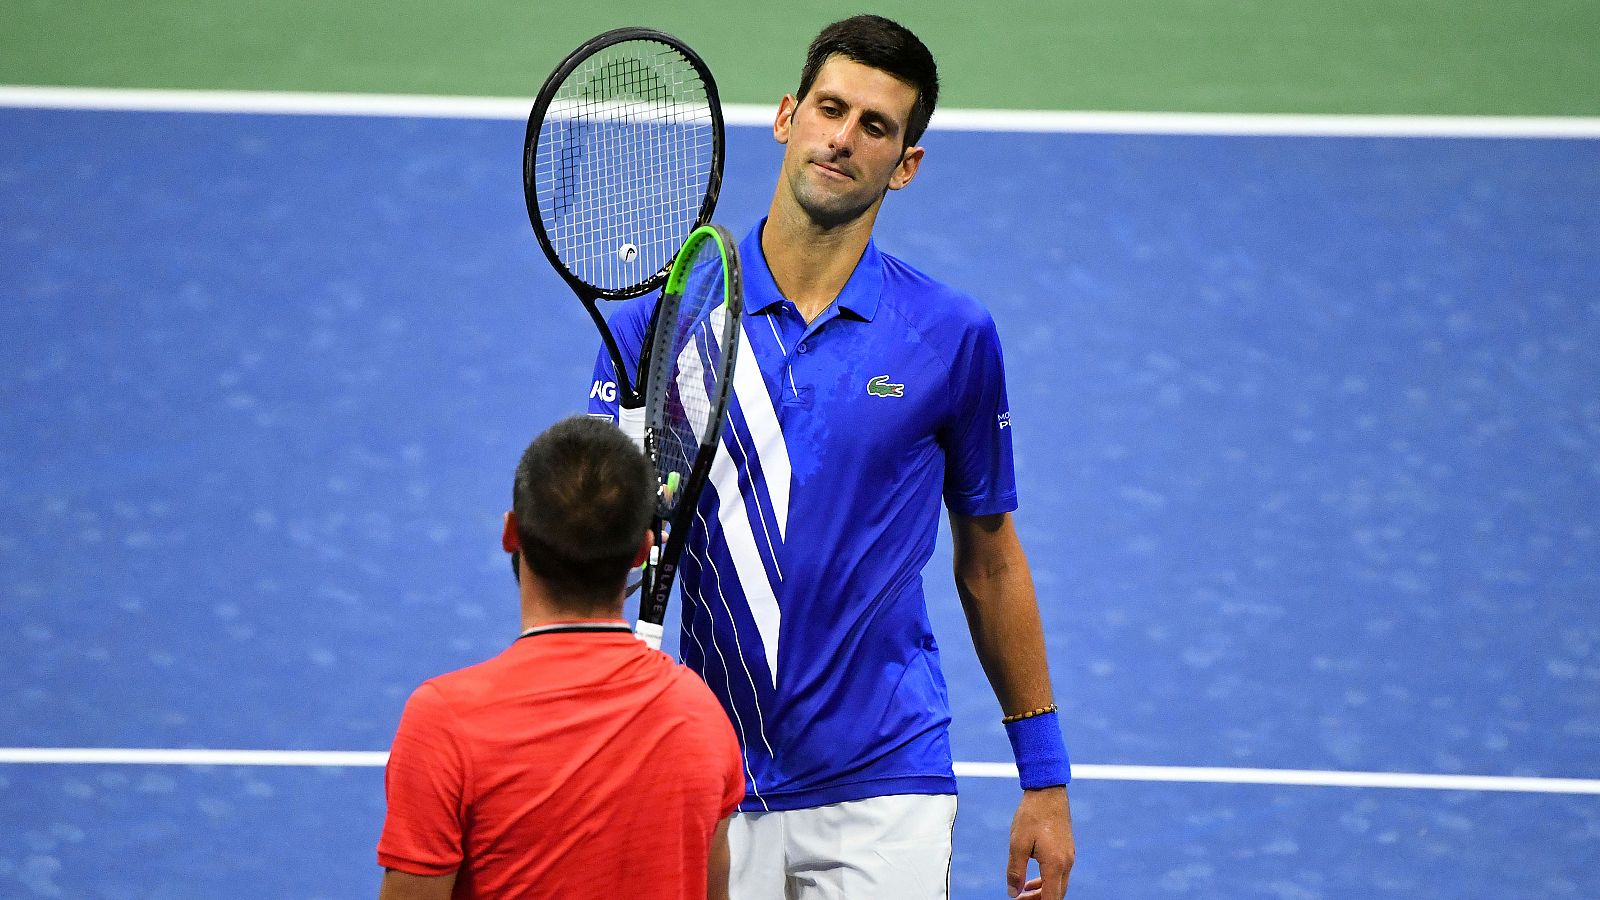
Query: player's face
{"points": [[844, 143]]}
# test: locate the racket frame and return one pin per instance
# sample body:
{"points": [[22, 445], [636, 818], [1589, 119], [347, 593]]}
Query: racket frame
{"points": [[671, 526], [629, 394]]}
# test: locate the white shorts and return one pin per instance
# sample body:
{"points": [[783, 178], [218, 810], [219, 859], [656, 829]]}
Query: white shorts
{"points": [[882, 847]]}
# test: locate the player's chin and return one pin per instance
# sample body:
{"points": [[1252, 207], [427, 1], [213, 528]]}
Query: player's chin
{"points": [[829, 209]]}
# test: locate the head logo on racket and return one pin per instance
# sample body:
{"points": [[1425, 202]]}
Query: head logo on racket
{"points": [[622, 160]]}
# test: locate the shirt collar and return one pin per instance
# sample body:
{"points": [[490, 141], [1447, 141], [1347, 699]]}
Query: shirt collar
{"points": [[761, 295]]}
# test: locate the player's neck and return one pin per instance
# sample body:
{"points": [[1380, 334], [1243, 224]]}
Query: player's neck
{"points": [[811, 263], [539, 607]]}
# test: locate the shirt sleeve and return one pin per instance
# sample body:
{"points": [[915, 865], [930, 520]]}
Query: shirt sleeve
{"points": [[603, 391], [980, 477], [628, 326], [425, 785]]}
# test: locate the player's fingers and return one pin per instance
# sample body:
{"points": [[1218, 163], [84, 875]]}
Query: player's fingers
{"points": [[1032, 890], [1017, 868], [1053, 873]]}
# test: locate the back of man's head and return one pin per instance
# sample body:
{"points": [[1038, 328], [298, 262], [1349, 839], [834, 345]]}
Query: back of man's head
{"points": [[583, 497]]}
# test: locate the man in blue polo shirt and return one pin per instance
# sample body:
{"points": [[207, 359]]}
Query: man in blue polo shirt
{"points": [[865, 394]]}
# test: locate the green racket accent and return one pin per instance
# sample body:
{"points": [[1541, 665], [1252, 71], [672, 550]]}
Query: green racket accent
{"points": [[672, 482], [681, 266]]}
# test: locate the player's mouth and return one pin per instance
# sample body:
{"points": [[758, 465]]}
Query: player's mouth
{"points": [[832, 170]]}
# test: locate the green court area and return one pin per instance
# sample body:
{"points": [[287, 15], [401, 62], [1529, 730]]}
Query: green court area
{"points": [[1483, 57]]}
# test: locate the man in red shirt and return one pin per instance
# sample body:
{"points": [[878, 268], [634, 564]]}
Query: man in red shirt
{"points": [[578, 762]]}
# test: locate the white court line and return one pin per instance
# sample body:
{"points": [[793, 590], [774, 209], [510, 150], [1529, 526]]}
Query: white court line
{"points": [[1080, 772], [286, 103], [1305, 778], [516, 108], [120, 756]]}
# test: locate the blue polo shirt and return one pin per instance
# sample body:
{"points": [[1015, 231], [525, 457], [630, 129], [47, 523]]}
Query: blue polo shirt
{"points": [[801, 585]]}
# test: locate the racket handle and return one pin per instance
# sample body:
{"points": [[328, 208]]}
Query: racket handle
{"points": [[631, 421], [650, 633]]}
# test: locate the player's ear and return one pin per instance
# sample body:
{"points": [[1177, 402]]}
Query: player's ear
{"points": [[910, 162], [645, 543], [509, 541], [781, 125]]}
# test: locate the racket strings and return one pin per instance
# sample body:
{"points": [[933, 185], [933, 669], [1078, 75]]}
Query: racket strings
{"points": [[697, 350], [624, 159]]}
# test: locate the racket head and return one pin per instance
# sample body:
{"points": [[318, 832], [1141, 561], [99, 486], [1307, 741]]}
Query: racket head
{"points": [[622, 160], [692, 357]]}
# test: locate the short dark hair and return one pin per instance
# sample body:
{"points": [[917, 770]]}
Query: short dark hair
{"points": [[882, 44], [583, 497]]}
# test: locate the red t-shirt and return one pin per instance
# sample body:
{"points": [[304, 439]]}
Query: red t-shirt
{"points": [[571, 765]]}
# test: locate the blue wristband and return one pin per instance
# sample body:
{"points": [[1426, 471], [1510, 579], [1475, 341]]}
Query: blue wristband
{"points": [[1040, 752]]}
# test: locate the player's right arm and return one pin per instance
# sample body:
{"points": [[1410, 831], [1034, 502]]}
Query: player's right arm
{"points": [[717, 863], [719, 859]]}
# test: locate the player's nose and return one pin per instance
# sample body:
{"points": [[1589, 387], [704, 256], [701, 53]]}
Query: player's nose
{"points": [[841, 139]]}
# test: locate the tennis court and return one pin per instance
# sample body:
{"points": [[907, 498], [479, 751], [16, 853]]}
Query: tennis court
{"points": [[1308, 438]]}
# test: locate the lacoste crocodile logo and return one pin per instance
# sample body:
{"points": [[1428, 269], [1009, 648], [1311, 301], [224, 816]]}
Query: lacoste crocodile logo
{"points": [[880, 387]]}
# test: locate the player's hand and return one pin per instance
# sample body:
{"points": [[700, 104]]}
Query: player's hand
{"points": [[1041, 830]]}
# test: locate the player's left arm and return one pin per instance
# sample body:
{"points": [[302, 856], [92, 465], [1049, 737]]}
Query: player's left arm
{"points": [[425, 786], [398, 885], [996, 589]]}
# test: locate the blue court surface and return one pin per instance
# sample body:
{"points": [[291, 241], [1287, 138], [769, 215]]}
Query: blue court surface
{"points": [[1308, 436]]}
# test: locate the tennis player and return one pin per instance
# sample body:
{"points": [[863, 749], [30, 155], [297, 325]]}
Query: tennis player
{"points": [[578, 762], [866, 393]]}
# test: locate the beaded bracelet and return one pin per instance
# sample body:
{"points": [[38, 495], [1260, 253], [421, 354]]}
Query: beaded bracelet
{"points": [[1041, 711]]}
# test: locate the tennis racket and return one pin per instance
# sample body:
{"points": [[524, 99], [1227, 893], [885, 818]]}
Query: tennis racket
{"points": [[622, 160], [693, 350]]}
